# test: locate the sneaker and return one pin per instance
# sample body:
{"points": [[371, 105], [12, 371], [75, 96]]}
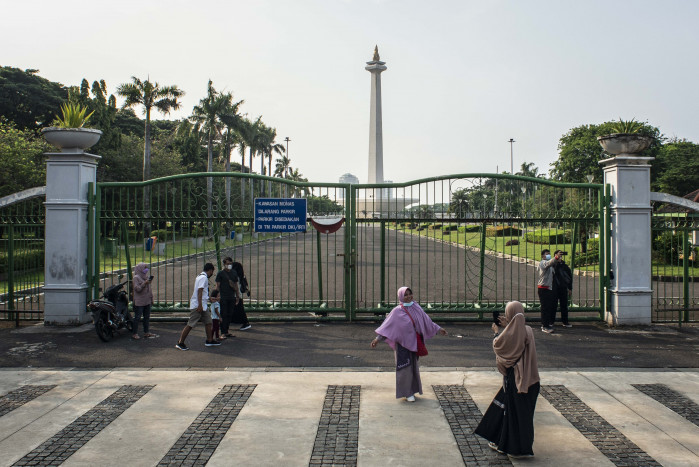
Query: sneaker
{"points": [[547, 330], [566, 325], [245, 327], [181, 346], [410, 399], [212, 343]]}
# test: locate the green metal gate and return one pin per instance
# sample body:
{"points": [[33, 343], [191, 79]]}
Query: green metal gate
{"points": [[675, 265], [466, 244]]}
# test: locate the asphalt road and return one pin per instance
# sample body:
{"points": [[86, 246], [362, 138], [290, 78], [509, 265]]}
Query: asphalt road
{"points": [[340, 345]]}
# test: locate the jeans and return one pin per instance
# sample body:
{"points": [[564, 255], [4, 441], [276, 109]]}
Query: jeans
{"points": [[138, 311]]}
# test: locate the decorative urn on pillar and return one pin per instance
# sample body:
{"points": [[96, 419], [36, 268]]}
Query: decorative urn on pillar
{"points": [[626, 139], [68, 134]]}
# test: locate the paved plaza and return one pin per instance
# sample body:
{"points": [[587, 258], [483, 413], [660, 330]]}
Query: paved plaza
{"points": [[295, 416], [316, 394]]}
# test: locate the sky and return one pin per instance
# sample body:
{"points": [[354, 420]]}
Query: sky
{"points": [[463, 77]]}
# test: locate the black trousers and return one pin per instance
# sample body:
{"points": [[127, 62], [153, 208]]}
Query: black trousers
{"points": [[226, 313], [561, 296], [548, 307]]}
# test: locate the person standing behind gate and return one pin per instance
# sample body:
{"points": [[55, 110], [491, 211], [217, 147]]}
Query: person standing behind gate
{"points": [[142, 300], [547, 298], [562, 287], [227, 285], [198, 309]]}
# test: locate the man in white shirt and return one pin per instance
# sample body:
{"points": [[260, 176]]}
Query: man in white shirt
{"points": [[198, 310]]}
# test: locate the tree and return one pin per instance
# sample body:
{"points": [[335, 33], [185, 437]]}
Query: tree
{"points": [[149, 95], [282, 166], [580, 153], [22, 162], [29, 100], [269, 147], [676, 168], [528, 169]]}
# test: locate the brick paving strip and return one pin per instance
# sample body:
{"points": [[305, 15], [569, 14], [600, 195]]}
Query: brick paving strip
{"points": [[607, 439], [463, 416], [62, 445], [199, 441], [17, 398], [673, 400], [338, 431]]}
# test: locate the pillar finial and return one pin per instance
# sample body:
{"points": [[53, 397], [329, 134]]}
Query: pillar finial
{"points": [[376, 54]]}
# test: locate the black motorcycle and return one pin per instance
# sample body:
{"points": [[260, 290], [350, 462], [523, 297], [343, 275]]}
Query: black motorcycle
{"points": [[111, 314]]}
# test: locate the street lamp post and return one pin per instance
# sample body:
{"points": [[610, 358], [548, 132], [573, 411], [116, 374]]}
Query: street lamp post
{"points": [[589, 190], [512, 165]]}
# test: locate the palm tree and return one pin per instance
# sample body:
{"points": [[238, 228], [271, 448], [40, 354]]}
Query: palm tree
{"points": [[149, 95], [248, 134], [282, 166], [296, 176], [269, 148], [213, 112]]}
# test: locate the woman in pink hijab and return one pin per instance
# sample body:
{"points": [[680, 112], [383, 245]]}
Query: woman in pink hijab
{"points": [[508, 424], [399, 330]]}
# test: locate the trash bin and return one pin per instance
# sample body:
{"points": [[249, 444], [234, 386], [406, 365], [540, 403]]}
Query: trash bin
{"points": [[232, 234], [110, 246], [150, 241]]}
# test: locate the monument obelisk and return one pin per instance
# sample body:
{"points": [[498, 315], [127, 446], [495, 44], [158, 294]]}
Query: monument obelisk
{"points": [[375, 67]]}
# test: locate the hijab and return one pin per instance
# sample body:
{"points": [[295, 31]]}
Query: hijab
{"points": [[398, 328], [515, 347], [140, 269]]}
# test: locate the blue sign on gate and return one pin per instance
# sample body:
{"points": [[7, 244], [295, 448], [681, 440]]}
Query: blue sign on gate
{"points": [[280, 215]]}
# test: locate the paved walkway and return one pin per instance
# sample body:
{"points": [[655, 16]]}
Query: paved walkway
{"points": [[297, 416]]}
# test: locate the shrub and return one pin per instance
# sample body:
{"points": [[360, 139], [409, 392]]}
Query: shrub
{"points": [[470, 228], [512, 242], [162, 234], [24, 260], [592, 244], [548, 236], [435, 226], [503, 231], [586, 259], [446, 229]]}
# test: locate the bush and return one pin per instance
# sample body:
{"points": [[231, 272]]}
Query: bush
{"points": [[667, 248], [503, 231], [24, 260], [592, 244], [586, 259], [548, 236], [470, 228], [436, 226], [447, 229], [512, 242], [162, 234]]}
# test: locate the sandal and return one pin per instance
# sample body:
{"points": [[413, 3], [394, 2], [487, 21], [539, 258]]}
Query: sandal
{"points": [[135, 337], [150, 336]]}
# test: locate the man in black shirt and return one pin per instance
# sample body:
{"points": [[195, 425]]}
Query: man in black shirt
{"points": [[227, 285], [562, 287]]}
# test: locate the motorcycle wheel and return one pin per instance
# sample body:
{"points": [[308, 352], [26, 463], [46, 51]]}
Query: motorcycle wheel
{"points": [[104, 330], [129, 322]]}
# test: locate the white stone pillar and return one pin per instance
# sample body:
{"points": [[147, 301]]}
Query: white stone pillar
{"points": [[375, 67], [65, 272], [629, 177]]}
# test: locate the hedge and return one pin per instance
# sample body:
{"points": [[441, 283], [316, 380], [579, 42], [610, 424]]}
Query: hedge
{"points": [[162, 234], [548, 236], [470, 228], [24, 260], [503, 231], [449, 228], [586, 259], [592, 244]]}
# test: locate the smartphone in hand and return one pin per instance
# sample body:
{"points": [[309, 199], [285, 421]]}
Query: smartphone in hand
{"points": [[496, 317], [151, 278]]}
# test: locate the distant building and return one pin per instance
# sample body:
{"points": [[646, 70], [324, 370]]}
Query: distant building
{"points": [[348, 178]]}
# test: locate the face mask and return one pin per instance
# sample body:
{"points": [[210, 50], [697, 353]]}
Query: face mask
{"points": [[407, 303], [145, 271], [548, 257], [229, 267]]}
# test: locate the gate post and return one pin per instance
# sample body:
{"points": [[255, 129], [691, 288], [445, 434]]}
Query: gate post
{"points": [[630, 246], [65, 275]]}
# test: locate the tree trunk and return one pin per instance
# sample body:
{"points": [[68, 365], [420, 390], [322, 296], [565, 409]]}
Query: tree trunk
{"points": [[227, 152], [242, 170], [210, 180], [146, 176], [252, 195]]}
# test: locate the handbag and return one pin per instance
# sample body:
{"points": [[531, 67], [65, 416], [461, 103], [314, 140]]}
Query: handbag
{"points": [[421, 348]]}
